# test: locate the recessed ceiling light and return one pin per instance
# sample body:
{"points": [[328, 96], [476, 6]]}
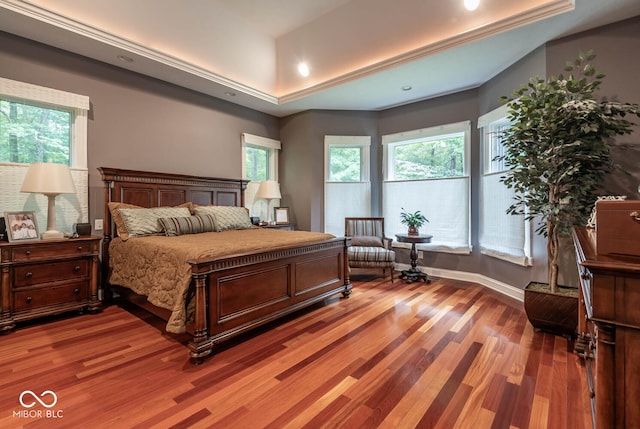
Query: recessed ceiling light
{"points": [[471, 4], [125, 59], [407, 88], [303, 69]]}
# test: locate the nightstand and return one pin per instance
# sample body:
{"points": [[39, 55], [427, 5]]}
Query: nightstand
{"points": [[47, 277]]}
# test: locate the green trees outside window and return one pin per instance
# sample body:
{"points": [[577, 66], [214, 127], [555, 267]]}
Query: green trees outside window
{"points": [[31, 133], [431, 159]]}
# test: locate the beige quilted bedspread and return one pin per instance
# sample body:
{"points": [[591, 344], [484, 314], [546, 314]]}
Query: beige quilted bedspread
{"points": [[155, 266]]}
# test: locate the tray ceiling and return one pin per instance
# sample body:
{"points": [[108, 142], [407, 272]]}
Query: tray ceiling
{"points": [[363, 54]]}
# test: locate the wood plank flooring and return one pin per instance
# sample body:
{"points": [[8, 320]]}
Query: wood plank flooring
{"points": [[448, 354]]}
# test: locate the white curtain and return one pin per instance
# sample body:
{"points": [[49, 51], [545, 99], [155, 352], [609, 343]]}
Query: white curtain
{"points": [[445, 202], [345, 199], [501, 235]]}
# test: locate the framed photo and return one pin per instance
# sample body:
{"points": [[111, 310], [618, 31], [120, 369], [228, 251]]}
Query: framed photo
{"points": [[21, 226], [281, 214]]}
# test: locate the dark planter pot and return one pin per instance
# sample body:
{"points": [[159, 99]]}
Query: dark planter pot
{"points": [[553, 313]]}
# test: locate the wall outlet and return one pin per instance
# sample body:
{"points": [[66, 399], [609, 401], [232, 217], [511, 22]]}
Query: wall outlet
{"points": [[420, 254], [99, 225]]}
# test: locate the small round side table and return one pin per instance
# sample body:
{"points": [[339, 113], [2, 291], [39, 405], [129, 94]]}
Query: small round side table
{"points": [[414, 273]]}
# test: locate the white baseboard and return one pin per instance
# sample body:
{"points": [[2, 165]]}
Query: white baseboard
{"points": [[503, 288]]}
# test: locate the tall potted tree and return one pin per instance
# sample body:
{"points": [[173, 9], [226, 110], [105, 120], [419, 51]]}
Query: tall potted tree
{"points": [[558, 150]]}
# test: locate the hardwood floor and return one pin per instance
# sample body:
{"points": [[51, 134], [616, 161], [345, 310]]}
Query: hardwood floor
{"points": [[448, 354]]}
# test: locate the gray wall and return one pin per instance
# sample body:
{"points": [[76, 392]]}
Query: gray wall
{"points": [[138, 122], [302, 160]]}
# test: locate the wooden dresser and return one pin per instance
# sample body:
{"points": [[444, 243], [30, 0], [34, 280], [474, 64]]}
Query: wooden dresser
{"points": [[41, 278], [609, 332]]}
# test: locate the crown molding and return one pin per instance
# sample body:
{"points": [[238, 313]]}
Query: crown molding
{"points": [[51, 18], [515, 21]]}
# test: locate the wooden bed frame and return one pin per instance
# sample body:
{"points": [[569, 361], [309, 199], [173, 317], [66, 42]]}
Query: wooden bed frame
{"points": [[235, 293]]}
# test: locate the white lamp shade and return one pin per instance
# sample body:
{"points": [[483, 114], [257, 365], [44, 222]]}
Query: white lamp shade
{"points": [[269, 189], [48, 178]]}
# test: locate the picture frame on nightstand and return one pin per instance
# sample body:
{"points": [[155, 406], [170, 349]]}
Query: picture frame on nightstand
{"points": [[21, 226], [281, 215]]}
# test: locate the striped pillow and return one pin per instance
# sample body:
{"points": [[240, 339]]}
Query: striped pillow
{"points": [[174, 226], [227, 217]]}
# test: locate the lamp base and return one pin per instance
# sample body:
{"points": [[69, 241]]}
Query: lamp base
{"points": [[52, 235]]}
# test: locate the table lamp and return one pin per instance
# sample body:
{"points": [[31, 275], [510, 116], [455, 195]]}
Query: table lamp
{"points": [[269, 190], [49, 179]]}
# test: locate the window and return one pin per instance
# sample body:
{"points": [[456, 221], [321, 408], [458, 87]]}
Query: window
{"points": [[430, 158], [260, 162], [347, 188], [428, 170], [31, 133], [502, 235], [39, 124], [257, 162]]}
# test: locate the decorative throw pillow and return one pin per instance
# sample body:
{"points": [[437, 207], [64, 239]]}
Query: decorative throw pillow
{"points": [[367, 240], [227, 217], [174, 226], [142, 221], [121, 229]]}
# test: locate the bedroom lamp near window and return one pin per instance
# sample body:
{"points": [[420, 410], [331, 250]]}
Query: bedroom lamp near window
{"points": [[50, 179], [269, 190]]}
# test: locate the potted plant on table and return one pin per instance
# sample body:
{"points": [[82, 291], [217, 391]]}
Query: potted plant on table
{"points": [[413, 221], [558, 150]]}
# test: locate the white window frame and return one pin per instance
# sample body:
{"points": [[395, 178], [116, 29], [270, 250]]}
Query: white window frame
{"points": [[438, 225], [354, 197], [77, 105], [501, 235], [258, 207], [70, 208]]}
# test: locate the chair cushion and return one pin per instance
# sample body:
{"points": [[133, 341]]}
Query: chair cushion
{"points": [[366, 240], [370, 254]]}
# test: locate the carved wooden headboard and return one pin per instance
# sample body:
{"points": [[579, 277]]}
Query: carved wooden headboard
{"points": [[151, 189]]}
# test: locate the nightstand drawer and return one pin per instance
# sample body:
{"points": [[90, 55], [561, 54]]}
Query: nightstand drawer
{"points": [[42, 297], [42, 251], [33, 274]]}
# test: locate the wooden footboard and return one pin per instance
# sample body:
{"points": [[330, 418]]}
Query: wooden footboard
{"points": [[238, 293]]}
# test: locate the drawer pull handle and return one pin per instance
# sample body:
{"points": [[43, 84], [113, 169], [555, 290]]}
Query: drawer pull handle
{"points": [[76, 268], [28, 274], [635, 216], [27, 252], [28, 299], [76, 291], [79, 248]]}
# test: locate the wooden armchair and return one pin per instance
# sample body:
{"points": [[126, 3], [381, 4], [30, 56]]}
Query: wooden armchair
{"points": [[369, 247]]}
